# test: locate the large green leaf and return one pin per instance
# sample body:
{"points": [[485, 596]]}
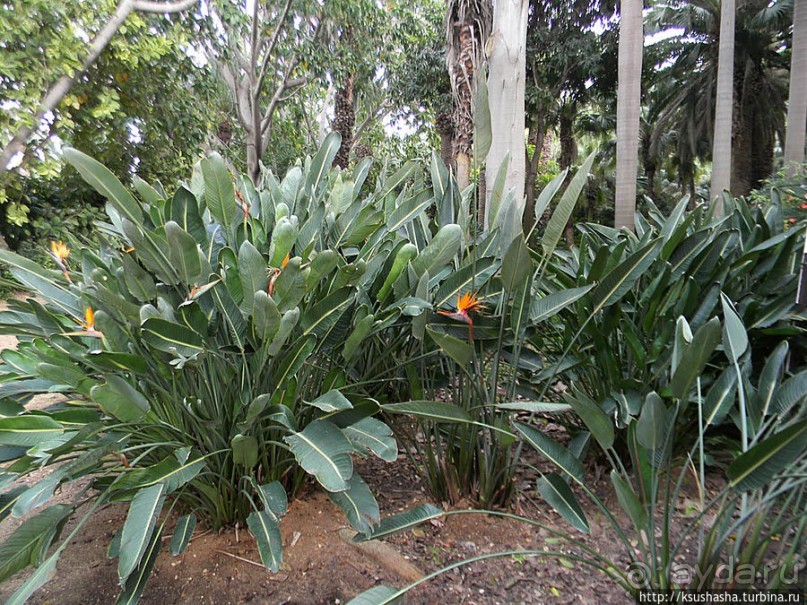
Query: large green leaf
{"points": [[265, 317], [402, 521], [320, 318], [323, 160], [372, 434], [171, 337], [769, 378], [231, 313], [120, 399], [548, 192], [651, 427], [793, 389], [245, 450], [267, 534], [170, 472], [136, 582], [359, 504], [629, 501], [332, 401], [28, 430], [483, 130], [42, 281], [219, 190], [100, 178], [184, 253], [138, 527], [517, 265], [407, 211], [548, 306], [30, 541], [552, 451], [458, 350], [695, 356], [294, 359], [720, 398], [595, 419], [735, 338], [377, 595], [183, 532], [622, 278], [560, 217], [469, 278], [560, 497], [443, 247], [436, 411], [759, 465], [323, 451], [252, 269]]}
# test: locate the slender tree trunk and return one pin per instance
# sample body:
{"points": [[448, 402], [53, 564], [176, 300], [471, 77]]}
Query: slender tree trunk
{"points": [[568, 146], [536, 138], [628, 106], [506, 88], [797, 102], [721, 150], [58, 91], [344, 119]]}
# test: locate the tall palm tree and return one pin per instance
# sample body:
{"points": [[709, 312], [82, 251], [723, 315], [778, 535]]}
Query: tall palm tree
{"points": [[467, 24], [797, 103], [724, 105], [686, 87], [628, 105]]}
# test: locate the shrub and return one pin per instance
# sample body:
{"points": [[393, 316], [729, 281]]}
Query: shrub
{"points": [[198, 350]]}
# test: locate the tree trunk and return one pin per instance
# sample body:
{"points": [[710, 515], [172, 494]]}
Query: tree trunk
{"points": [[797, 102], [344, 119], [536, 138], [568, 146], [628, 105], [721, 149], [445, 129], [742, 139], [506, 88]]}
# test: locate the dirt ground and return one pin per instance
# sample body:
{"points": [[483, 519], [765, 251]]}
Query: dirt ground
{"points": [[321, 567]]}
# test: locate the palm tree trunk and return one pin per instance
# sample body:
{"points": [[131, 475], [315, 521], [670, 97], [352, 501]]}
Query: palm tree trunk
{"points": [[797, 102], [721, 149], [628, 105], [344, 119]]}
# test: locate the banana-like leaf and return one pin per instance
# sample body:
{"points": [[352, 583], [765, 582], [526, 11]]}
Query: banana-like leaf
{"points": [[30, 541], [548, 192], [372, 434], [651, 427], [320, 318], [171, 473], [552, 451], [359, 504], [100, 178], [183, 532], [793, 390], [735, 338], [184, 253], [120, 399], [136, 582], [517, 265], [458, 350], [536, 407], [267, 534], [436, 411], [323, 160], [42, 281], [483, 129], [392, 182], [245, 450], [469, 278], [377, 595], [171, 337], [231, 313], [623, 277], [138, 528], [769, 378], [39, 578], [758, 466], [560, 497], [294, 359], [629, 502], [720, 398], [596, 420], [557, 223], [185, 212], [274, 498], [28, 430], [407, 211], [219, 191], [694, 358], [548, 306], [443, 247], [253, 273], [265, 317], [323, 451], [332, 401], [401, 522]]}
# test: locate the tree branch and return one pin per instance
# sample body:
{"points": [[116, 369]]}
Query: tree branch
{"points": [[146, 6], [272, 44]]}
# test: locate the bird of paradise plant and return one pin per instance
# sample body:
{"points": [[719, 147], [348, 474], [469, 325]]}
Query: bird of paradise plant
{"points": [[466, 304]]}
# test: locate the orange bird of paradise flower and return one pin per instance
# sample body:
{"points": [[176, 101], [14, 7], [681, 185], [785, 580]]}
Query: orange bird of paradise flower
{"points": [[276, 273], [59, 251], [466, 304]]}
